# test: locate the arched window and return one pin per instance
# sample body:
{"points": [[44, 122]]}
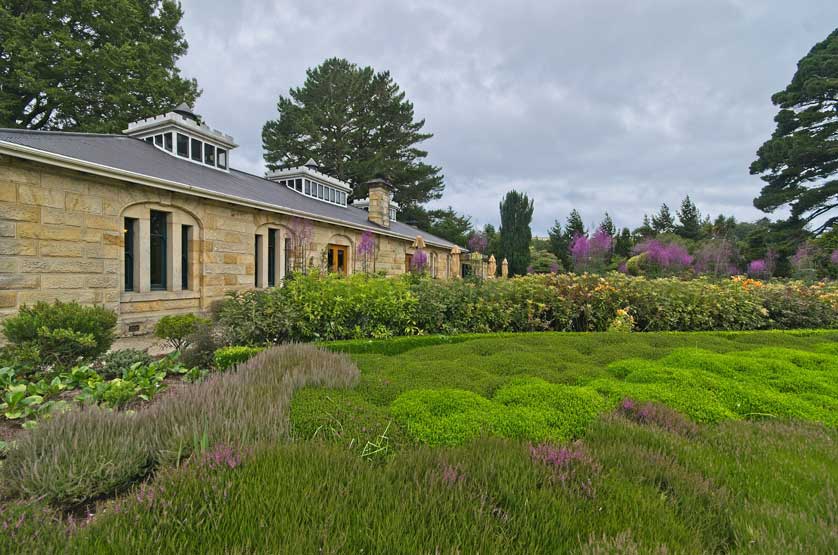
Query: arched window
{"points": [[160, 249], [272, 255]]}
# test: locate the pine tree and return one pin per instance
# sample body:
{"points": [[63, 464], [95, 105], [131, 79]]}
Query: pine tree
{"points": [[799, 163], [90, 66], [645, 229], [663, 222], [559, 245], [623, 243], [574, 225], [690, 220], [607, 225], [493, 239], [357, 125], [515, 233]]}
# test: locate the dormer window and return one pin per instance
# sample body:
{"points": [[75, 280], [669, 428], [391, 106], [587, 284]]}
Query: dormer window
{"points": [[181, 133], [308, 181]]}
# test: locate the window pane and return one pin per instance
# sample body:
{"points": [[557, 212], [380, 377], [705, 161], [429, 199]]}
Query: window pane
{"points": [[209, 154], [257, 255], [271, 257], [182, 145], [129, 253], [149, 140], [185, 236], [308, 187], [167, 139], [196, 150], [341, 261], [319, 191], [299, 185], [158, 140], [157, 250], [332, 195], [222, 158]]}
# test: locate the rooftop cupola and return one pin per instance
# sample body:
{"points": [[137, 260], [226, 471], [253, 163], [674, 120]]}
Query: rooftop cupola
{"points": [[308, 180], [182, 134]]}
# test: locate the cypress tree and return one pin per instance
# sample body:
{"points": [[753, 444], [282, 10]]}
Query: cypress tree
{"points": [[515, 233]]}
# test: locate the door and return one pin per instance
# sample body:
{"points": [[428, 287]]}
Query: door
{"points": [[337, 259]]}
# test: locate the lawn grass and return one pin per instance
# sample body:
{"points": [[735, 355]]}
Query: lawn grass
{"points": [[392, 465]]}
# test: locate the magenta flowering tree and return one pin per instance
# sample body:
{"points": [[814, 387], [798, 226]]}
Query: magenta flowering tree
{"points": [[478, 242], [419, 261], [302, 230], [366, 248], [803, 262], [716, 258], [664, 258], [591, 254], [758, 268]]}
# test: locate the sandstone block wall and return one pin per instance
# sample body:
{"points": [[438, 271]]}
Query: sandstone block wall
{"points": [[62, 237]]}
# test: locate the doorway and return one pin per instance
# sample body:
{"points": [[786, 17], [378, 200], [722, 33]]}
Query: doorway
{"points": [[337, 260]]}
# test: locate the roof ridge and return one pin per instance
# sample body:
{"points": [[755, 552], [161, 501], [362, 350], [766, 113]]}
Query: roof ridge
{"points": [[59, 132]]}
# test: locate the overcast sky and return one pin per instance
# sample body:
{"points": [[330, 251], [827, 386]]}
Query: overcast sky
{"points": [[594, 104]]}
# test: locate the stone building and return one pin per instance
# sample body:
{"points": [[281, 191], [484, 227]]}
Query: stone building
{"points": [[156, 221]]}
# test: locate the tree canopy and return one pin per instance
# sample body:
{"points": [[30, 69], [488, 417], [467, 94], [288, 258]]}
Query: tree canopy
{"points": [[90, 66], [690, 220], [515, 233], [357, 125], [799, 163]]}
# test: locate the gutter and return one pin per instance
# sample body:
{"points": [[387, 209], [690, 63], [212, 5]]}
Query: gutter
{"points": [[67, 162]]}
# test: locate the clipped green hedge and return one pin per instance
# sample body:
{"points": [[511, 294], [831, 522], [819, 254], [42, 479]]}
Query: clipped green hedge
{"points": [[227, 357], [330, 307], [526, 408]]}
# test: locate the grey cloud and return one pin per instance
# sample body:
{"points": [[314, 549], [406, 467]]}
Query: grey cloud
{"points": [[598, 105]]}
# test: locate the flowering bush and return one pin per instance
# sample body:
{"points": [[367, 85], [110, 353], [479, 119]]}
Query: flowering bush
{"points": [[662, 258], [317, 307], [591, 255], [419, 261]]}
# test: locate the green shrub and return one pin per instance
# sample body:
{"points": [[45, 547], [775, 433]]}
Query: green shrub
{"points": [[177, 328], [201, 346], [62, 333], [227, 357], [361, 307], [115, 363], [527, 408], [443, 416], [538, 410]]}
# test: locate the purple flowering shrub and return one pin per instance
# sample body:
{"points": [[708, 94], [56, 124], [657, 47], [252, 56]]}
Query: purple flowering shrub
{"points": [[716, 258], [655, 414], [419, 261], [591, 254], [660, 258], [366, 250], [758, 268], [478, 242], [570, 467]]}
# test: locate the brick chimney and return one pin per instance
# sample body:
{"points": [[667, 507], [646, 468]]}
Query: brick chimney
{"points": [[380, 193]]}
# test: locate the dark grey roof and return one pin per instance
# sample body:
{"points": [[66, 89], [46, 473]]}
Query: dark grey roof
{"points": [[134, 155]]}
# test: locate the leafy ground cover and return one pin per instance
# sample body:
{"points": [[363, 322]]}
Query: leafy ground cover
{"points": [[514, 385], [519, 443]]}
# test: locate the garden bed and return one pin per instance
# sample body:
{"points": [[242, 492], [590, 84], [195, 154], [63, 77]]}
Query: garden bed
{"points": [[468, 444]]}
